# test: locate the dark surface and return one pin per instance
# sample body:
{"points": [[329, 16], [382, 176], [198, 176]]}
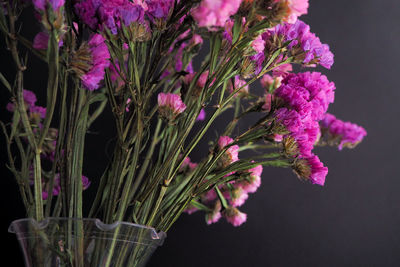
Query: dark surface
{"points": [[354, 219]]}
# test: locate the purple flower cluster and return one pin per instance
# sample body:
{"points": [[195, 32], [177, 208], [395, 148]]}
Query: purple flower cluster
{"points": [[306, 97], [56, 185], [304, 44], [35, 113], [113, 13], [100, 61], [350, 134], [41, 4]]}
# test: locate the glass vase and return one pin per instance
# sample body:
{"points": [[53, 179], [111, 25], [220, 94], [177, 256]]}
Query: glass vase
{"points": [[85, 242]]}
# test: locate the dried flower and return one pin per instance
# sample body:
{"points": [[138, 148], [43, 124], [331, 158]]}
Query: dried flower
{"points": [[215, 214], [231, 154], [99, 61], [349, 134], [170, 105], [234, 216]]}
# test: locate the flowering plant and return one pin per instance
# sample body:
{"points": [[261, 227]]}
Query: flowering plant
{"points": [[136, 57]]}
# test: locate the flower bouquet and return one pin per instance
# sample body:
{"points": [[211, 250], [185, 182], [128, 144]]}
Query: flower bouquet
{"points": [[165, 70]]}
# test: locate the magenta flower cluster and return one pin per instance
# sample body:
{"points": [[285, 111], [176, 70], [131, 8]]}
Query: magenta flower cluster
{"points": [[41, 4], [98, 14], [300, 37], [306, 97], [100, 61], [236, 193], [350, 134], [34, 111]]}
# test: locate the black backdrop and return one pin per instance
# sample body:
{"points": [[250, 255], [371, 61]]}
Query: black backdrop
{"points": [[354, 220]]}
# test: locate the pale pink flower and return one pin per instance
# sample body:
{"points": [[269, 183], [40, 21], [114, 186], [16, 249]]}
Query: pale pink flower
{"points": [[214, 13], [258, 44], [238, 84], [254, 181], [239, 196], [234, 216], [267, 102], [170, 105], [232, 153], [296, 9]]}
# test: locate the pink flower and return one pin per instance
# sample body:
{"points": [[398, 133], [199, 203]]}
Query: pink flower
{"points": [[296, 9], [258, 44], [40, 42], [190, 209], [289, 118], [202, 115], [213, 217], [85, 182], [239, 196], [100, 61], [215, 214], [350, 134], [234, 216], [318, 170], [41, 4], [170, 105], [209, 196], [201, 82], [37, 111], [231, 155], [238, 84], [267, 102], [254, 181], [29, 99], [214, 13], [188, 165]]}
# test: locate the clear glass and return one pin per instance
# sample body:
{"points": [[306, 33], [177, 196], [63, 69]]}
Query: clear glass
{"points": [[85, 242]]}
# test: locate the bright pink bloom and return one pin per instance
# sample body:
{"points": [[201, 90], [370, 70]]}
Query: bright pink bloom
{"points": [[350, 134], [234, 216], [100, 61], [318, 170], [214, 13], [170, 105], [301, 39], [289, 118]]}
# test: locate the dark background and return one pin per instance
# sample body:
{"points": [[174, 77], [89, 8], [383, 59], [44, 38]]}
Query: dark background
{"points": [[354, 220]]}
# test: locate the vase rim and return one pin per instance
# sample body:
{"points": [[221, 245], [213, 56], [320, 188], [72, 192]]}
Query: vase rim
{"points": [[100, 225]]}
